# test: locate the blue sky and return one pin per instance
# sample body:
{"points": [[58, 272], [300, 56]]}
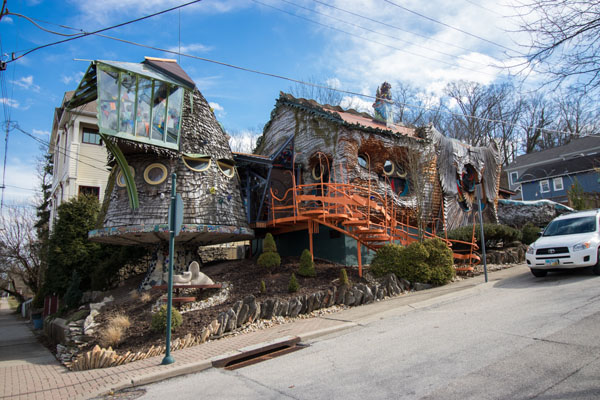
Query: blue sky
{"points": [[396, 46]]}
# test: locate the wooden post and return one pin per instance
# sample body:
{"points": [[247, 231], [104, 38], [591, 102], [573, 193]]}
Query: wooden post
{"points": [[310, 238]]}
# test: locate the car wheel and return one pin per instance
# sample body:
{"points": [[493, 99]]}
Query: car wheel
{"points": [[596, 268], [539, 273]]}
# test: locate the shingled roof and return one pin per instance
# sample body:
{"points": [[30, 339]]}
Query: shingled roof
{"points": [[577, 146], [560, 168]]}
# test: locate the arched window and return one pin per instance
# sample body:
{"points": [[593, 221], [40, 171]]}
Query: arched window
{"points": [[197, 163], [363, 161], [227, 167]]}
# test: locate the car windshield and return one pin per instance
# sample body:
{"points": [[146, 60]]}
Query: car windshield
{"points": [[571, 226]]}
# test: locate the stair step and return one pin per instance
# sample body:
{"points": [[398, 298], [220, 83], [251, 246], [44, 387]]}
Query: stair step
{"points": [[376, 238]]}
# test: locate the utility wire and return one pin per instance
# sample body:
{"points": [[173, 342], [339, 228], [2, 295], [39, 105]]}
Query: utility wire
{"points": [[99, 30], [392, 26], [381, 34], [452, 27], [372, 41]]}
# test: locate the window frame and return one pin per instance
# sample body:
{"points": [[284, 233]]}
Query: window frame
{"points": [[184, 158], [542, 186], [230, 167], [152, 166], [555, 186], [514, 177], [90, 131], [88, 187], [120, 174]]}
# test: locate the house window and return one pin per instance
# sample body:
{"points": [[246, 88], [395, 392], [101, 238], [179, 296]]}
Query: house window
{"points": [[545, 186], [362, 161], [197, 163], [155, 174], [514, 177], [89, 191], [121, 178], [558, 183], [227, 167], [90, 136]]}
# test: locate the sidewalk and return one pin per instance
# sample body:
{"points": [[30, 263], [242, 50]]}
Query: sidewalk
{"points": [[29, 371]]}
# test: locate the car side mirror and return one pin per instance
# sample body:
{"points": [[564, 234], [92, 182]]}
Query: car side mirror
{"points": [[540, 233]]}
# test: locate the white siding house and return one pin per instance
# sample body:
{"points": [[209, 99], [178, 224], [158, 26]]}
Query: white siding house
{"points": [[78, 153]]}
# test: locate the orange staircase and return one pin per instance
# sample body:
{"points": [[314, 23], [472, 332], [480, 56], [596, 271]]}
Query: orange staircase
{"points": [[353, 210]]}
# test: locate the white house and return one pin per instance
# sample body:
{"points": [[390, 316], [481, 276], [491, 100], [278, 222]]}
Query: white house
{"points": [[78, 153]]}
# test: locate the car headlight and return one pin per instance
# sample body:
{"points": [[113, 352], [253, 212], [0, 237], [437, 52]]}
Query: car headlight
{"points": [[530, 250], [581, 246]]}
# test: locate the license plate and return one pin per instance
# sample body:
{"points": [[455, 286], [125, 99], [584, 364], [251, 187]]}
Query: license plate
{"points": [[552, 262]]}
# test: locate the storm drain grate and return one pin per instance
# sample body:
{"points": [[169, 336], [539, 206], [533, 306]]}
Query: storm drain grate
{"points": [[249, 357]]}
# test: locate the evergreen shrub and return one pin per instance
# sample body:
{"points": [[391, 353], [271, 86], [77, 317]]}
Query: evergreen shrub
{"points": [[344, 277], [269, 260], [159, 319], [307, 265], [263, 287], [440, 261], [269, 244], [494, 234], [386, 259], [74, 294], [293, 285], [530, 233]]}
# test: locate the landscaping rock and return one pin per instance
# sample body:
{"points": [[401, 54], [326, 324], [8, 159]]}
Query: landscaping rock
{"points": [[422, 286], [294, 307]]}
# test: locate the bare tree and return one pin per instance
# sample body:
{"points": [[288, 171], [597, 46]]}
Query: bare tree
{"points": [[577, 115], [322, 93], [536, 121], [244, 141], [19, 248], [564, 40]]}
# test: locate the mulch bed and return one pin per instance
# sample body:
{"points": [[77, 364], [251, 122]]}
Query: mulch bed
{"points": [[244, 275]]}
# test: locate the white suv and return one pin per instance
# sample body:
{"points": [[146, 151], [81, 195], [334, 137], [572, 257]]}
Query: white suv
{"points": [[569, 241]]}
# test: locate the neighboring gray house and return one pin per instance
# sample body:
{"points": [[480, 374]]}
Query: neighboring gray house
{"points": [[550, 173]]}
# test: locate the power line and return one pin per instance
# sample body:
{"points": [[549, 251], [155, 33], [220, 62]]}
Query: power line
{"points": [[370, 40], [99, 30], [392, 26], [378, 33], [452, 27]]}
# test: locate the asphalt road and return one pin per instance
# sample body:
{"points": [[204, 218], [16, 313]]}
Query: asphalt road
{"points": [[516, 338]]}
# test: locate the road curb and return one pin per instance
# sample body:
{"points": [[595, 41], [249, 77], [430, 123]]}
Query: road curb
{"points": [[326, 331]]}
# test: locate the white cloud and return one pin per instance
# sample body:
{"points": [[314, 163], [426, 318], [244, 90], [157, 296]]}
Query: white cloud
{"points": [[21, 181], [357, 103], [26, 82], [207, 82], [191, 48], [40, 132], [244, 141], [6, 20], [9, 102], [218, 110], [73, 78], [333, 83]]}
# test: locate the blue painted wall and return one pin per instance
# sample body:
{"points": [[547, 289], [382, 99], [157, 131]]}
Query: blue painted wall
{"points": [[588, 180]]}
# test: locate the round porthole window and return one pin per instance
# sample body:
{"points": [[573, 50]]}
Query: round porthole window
{"points": [[155, 174], [198, 164], [388, 168], [400, 171], [317, 172], [362, 161], [227, 167], [121, 178]]}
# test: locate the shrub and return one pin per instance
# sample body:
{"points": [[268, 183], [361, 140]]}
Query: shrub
{"points": [[386, 259], [111, 336], [269, 260], [307, 266], [344, 277], [494, 234], [440, 261], [145, 297], [159, 319], [74, 294], [263, 287], [530, 233], [269, 244], [293, 285], [412, 264], [119, 320]]}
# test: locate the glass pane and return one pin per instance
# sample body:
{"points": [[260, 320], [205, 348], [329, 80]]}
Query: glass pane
{"points": [[226, 167], [108, 93], [197, 164], [142, 125], [388, 167], [159, 109], [127, 102], [174, 114], [362, 161]]}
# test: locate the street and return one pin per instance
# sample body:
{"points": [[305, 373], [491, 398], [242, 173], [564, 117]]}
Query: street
{"points": [[516, 338]]}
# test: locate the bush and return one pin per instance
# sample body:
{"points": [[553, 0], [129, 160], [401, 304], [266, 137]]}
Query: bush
{"points": [[494, 234], [307, 266], [263, 287], [440, 261], [269, 260], [74, 294], [412, 264], [159, 319], [293, 285], [530, 233], [344, 277], [386, 259], [269, 244]]}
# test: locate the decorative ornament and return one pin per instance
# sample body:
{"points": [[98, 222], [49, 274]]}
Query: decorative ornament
{"points": [[213, 190]]}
